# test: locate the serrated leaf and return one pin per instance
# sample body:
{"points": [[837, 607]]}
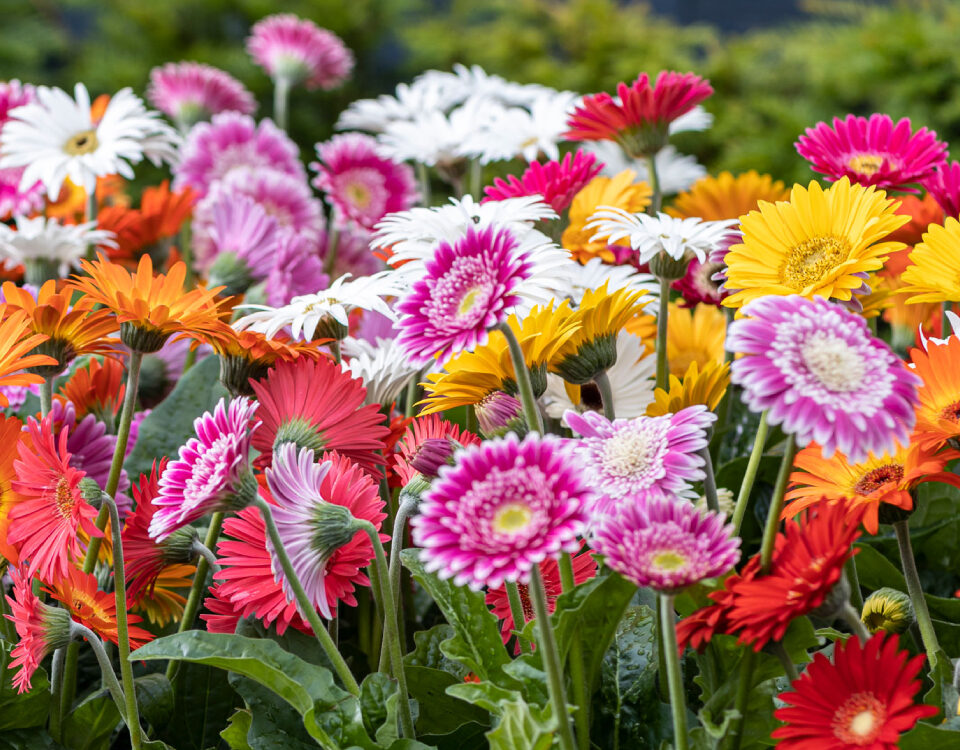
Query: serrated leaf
{"points": [[427, 653], [375, 693]]}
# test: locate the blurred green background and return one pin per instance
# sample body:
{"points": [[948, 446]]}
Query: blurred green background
{"points": [[771, 82]]}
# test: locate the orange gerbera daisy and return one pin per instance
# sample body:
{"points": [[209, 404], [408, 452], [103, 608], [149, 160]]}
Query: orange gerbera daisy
{"points": [[887, 479], [938, 413], [71, 204], [619, 191], [151, 308], [922, 212], [9, 439], [160, 216], [16, 339], [71, 330], [727, 197], [96, 388]]}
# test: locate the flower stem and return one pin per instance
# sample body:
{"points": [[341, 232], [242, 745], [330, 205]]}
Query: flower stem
{"points": [[46, 395], [335, 350], [750, 474], [281, 95], [551, 660], [186, 255], [709, 480], [423, 178], [944, 321], [656, 199], [406, 509], [410, 396], [909, 563], [109, 676], [391, 631], [747, 666], [668, 628], [516, 612], [606, 395], [123, 634], [776, 504], [789, 668], [206, 553], [303, 601], [530, 411], [56, 689], [663, 367], [850, 616], [333, 240], [577, 678], [476, 178], [850, 571]]}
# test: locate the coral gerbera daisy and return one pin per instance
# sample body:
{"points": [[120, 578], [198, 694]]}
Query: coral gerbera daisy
{"points": [[934, 271], [557, 182], [619, 191], [137, 230], [190, 92], [296, 50], [316, 405], [91, 447], [505, 506], [938, 413], [816, 369], [874, 151], [820, 242], [727, 197], [862, 698]]}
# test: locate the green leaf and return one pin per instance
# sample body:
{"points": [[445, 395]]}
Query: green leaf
{"points": [[427, 653], [440, 712], [155, 698], [91, 724], [930, 737], [27, 739], [274, 723], [235, 734], [202, 704], [519, 730], [22, 710], [376, 691], [876, 571]]}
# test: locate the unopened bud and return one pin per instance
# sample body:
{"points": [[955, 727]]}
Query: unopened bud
{"points": [[888, 610]]}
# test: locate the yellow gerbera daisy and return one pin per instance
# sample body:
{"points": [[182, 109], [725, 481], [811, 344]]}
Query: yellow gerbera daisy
{"points": [[819, 243], [935, 273], [163, 603], [727, 197], [699, 386], [620, 192], [644, 326], [695, 335]]}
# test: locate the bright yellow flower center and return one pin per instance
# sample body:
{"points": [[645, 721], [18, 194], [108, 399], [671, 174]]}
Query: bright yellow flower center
{"points": [[512, 518], [84, 142], [669, 560], [812, 259], [831, 361], [868, 164], [860, 719], [469, 299]]}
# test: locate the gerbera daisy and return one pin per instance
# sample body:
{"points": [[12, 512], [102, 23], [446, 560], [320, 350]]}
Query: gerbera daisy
{"points": [[327, 549], [619, 191], [229, 141], [56, 137], [382, 368], [639, 118], [938, 413], [297, 270], [213, 471], [584, 568], [504, 507], [10, 434], [46, 248], [922, 212], [163, 604], [667, 544], [700, 285], [14, 94], [625, 457], [944, 186], [315, 404], [422, 429], [160, 216], [15, 341], [695, 335], [190, 92], [91, 447], [934, 271], [17, 201], [362, 185], [150, 308], [873, 151], [244, 239], [46, 523], [727, 197], [95, 388], [700, 385], [296, 50], [863, 698], [816, 369], [888, 610], [622, 274], [557, 182], [810, 245]]}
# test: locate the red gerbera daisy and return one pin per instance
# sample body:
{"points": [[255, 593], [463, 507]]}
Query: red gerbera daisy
{"points": [[863, 699], [317, 405], [46, 524], [584, 568], [430, 427]]}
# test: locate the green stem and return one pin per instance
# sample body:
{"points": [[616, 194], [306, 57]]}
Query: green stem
{"points": [[470, 420], [92, 216], [476, 178], [189, 361], [747, 666], [852, 618], [410, 396], [750, 475], [551, 660], [709, 480], [109, 676], [206, 553], [333, 240], [850, 571], [663, 366], [423, 178], [406, 509], [776, 504], [335, 350], [185, 246], [56, 690], [69, 688], [530, 411], [657, 199], [789, 668], [46, 395], [577, 674], [307, 610], [944, 321], [606, 395], [516, 612], [909, 563], [7, 629], [123, 633], [678, 709], [281, 96]]}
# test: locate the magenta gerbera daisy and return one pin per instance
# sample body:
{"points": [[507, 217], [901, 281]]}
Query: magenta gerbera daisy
{"points": [[944, 186], [468, 288], [362, 184], [190, 92], [245, 240], [817, 371], [14, 94], [875, 151], [17, 202], [557, 181], [297, 269], [664, 542], [213, 471], [327, 549], [505, 506], [298, 51], [699, 284], [231, 140], [628, 456]]}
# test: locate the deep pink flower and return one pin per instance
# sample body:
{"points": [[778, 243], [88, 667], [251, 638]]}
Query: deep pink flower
{"points": [[245, 239], [14, 94], [556, 181], [814, 367], [944, 186], [699, 285], [504, 507], [16, 202], [872, 152], [40, 627], [190, 92], [298, 50], [297, 269], [361, 184]]}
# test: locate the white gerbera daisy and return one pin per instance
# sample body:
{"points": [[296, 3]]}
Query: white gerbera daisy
{"points": [[676, 171], [696, 119], [56, 137], [408, 102], [651, 235], [465, 82], [48, 249], [384, 368]]}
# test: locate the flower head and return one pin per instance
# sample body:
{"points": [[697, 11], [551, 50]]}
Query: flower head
{"points": [[423, 430], [190, 92], [297, 270], [138, 230], [699, 385], [944, 185], [816, 370], [17, 201], [40, 627], [90, 446], [694, 335], [557, 182], [888, 610], [727, 197], [620, 191], [95, 388], [504, 507], [16, 340], [296, 50], [934, 271], [47, 248], [382, 367], [938, 413], [245, 240], [875, 151]]}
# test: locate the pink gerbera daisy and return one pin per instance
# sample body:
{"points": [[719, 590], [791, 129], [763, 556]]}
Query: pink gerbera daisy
{"points": [[504, 507], [298, 51], [699, 284], [468, 288], [245, 240], [231, 140], [351, 246], [325, 546], [638, 119], [361, 184], [814, 367], [297, 269], [628, 456], [873, 151], [557, 181], [14, 94], [213, 471], [664, 542], [13, 200], [944, 186], [190, 92]]}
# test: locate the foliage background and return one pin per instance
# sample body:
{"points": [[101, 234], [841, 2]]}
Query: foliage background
{"points": [[897, 57]]}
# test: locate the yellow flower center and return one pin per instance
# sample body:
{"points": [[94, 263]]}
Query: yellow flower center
{"points": [[669, 560], [84, 142], [468, 301], [876, 478], [512, 518], [831, 361], [358, 195], [860, 719], [808, 262], [868, 164]]}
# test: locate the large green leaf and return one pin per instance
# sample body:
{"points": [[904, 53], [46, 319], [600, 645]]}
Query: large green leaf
{"points": [[202, 704], [22, 710], [274, 722], [27, 739], [930, 737], [155, 698], [91, 724], [519, 730], [876, 571], [440, 713]]}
